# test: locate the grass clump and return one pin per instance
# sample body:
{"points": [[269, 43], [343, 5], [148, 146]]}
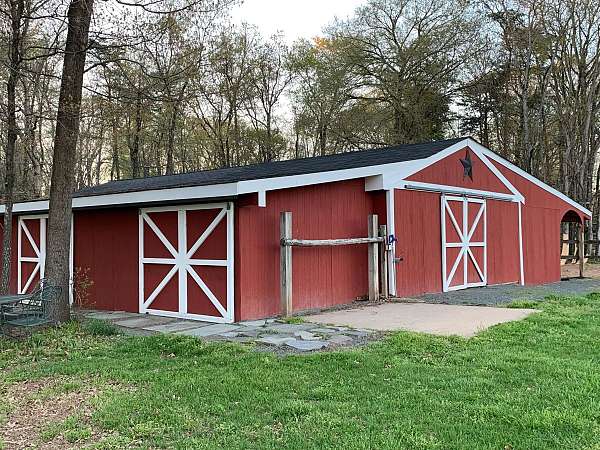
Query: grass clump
{"points": [[97, 327]]}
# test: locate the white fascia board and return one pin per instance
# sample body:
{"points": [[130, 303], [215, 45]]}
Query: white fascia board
{"points": [[490, 154], [157, 195], [457, 190], [39, 205], [286, 182]]}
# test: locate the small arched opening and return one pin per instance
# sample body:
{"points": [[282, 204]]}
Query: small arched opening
{"points": [[572, 244]]}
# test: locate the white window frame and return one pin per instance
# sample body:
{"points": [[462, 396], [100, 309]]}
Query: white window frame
{"points": [[465, 234], [182, 262]]}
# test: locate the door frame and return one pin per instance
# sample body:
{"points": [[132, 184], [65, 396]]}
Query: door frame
{"points": [[181, 260], [465, 244]]}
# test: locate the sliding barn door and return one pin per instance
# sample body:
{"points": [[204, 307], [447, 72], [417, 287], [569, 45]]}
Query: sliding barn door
{"points": [[31, 241], [464, 252], [186, 262]]}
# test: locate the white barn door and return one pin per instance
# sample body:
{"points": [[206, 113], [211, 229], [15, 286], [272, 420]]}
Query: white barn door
{"points": [[31, 252], [464, 249], [186, 262]]}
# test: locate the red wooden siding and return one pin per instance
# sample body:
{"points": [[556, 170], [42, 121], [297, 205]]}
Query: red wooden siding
{"points": [[542, 214], [106, 243], [418, 230], [322, 276], [503, 260], [449, 171]]}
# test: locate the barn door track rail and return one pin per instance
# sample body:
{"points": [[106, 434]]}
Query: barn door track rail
{"points": [[376, 241]]}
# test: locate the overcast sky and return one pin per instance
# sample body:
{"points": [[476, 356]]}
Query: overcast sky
{"points": [[296, 18]]}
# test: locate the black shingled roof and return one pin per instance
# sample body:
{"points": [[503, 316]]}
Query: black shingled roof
{"points": [[340, 161]]}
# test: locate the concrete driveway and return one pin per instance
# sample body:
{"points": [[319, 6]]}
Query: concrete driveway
{"points": [[439, 319]]}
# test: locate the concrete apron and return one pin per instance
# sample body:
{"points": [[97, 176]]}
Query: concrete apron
{"points": [[445, 320]]}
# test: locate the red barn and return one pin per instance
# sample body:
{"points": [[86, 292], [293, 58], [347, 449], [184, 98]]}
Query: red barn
{"points": [[206, 245]]}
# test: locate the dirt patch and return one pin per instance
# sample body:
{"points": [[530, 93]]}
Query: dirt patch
{"points": [[572, 271], [49, 414]]}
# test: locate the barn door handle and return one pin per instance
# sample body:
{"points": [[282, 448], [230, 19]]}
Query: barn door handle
{"points": [[399, 259]]}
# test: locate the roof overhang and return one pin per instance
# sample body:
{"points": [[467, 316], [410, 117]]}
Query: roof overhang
{"points": [[377, 177]]}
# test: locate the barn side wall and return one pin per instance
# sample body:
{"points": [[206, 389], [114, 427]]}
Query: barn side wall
{"points": [[542, 215], [106, 249], [322, 276]]}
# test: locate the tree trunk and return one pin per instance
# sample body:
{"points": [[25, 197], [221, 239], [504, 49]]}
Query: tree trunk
{"points": [[65, 145], [171, 140], [14, 57], [134, 153]]}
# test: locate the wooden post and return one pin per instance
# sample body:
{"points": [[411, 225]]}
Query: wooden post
{"points": [[581, 248], [384, 262], [373, 226], [286, 264]]}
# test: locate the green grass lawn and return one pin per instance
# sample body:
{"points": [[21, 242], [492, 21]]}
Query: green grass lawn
{"points": [[533, 384]]}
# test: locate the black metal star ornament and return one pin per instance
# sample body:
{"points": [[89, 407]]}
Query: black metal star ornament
{"points": [[467, 164]]}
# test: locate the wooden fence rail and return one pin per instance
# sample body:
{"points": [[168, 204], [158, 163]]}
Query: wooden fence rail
{"points": [[377, 238]]}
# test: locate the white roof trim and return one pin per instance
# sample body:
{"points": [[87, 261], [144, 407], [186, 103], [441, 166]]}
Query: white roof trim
{"points": [[490, 154], [382, 176], [158, 195]]}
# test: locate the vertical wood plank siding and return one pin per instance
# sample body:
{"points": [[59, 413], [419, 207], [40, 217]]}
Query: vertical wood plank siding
{"points": [[542, 214], [106, 243], [322, 276]]}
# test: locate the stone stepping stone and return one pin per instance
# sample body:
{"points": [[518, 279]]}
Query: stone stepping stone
{"points": [[306, 336], [173, 327], [229, 334], [286, 327], [357, 333], [209, 330], [306, 346], [251, 332], [324, 331], [340, 339], [110, 315], [276, 340], [253, 323], [143, 321]]}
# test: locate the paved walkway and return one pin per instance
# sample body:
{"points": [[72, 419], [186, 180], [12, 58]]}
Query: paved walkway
{"points": [[446, 320], [266, 333]]}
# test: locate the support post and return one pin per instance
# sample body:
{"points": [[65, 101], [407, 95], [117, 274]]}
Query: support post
{"points": [[286, 264], [384, 262], [581, 248], [373, 227]]}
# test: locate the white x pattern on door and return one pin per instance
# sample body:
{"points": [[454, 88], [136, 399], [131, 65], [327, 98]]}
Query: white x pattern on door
{"points": [[464, 229], [39, 249], [183, 262]]}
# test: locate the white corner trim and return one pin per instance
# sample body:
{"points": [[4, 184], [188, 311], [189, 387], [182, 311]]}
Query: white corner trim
{"points": [[490, 154], [521, 265], [391, 229]]}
